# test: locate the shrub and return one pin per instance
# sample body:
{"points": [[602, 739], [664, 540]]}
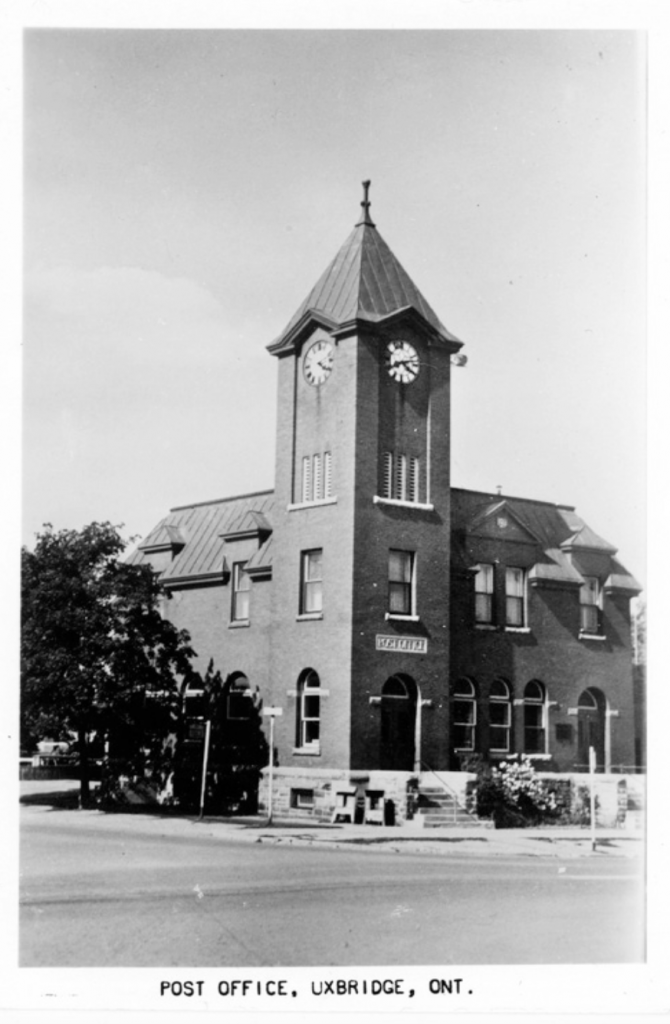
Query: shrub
{"points": [[513, 796]]}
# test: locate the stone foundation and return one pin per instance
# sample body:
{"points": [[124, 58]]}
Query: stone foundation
{"points": [[318, 794]]}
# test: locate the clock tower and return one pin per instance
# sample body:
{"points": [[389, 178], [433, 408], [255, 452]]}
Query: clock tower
{"points": [[361, 522]]}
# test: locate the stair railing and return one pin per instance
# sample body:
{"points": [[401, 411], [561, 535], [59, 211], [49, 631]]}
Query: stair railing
{"points": [[455, 802]]}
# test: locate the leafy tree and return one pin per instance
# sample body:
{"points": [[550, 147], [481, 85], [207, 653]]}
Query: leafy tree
{"points": [[238, 749], [639, 631], [96, 654]]}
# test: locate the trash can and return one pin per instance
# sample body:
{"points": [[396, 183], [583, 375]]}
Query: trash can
{"points": [[389, 812]]}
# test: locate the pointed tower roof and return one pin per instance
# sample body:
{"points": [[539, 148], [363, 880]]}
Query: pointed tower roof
{"points": [[365, 283]]}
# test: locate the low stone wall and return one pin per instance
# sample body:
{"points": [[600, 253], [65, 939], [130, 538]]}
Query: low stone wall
{"points": [[611, 793], [316, 794]]}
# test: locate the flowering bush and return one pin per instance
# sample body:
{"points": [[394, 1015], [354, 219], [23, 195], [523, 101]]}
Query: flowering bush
{"points": [[514, 796], [521, 787]]}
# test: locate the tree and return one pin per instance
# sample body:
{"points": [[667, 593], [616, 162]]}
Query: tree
{"points": [[95, 651], [639, 631], [238, 749]]}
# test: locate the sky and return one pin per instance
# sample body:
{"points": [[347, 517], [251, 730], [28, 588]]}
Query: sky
{"points": [[183, 191]]}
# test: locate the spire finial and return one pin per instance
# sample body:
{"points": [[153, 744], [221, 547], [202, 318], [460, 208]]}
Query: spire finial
{"points": [[366, 207]]}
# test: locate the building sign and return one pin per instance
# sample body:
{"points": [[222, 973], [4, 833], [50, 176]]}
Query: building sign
{"points": [[405, 644]]}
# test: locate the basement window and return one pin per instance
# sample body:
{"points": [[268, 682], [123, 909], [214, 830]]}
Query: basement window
{"points": [[302, 798]]}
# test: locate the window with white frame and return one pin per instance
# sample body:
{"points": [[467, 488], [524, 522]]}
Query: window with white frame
{"points": [[534, 718], [463, 715], [239, 611], [401, 582], [400, 477], [484, 588], [317, 477], [515, 597], [500, 717], [590, 605], [308, 710], [311, 582]]}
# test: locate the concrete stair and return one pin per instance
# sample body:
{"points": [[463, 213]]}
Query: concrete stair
{"points": [[440, 809]]}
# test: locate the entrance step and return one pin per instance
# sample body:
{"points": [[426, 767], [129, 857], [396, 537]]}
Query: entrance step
{"points": [[440, 809]]}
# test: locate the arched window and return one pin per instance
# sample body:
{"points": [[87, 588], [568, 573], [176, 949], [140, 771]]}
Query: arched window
{"points": [[588, 701], [534, 718], [239, 704], [464, 715], [398, 723], [194, 700], [592, 728], [500, 717], [395, 687], [308, 710]]}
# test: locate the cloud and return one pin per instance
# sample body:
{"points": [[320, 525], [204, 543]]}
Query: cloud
{"points": [[125, 295]]}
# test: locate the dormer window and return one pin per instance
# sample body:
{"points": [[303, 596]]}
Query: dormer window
{"points": [[484, 585], [515, 598], [590, 599], [241, 586]]}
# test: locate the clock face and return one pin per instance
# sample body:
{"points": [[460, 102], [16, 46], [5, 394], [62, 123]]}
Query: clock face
{"points": [[402, 361], [318, 363]]}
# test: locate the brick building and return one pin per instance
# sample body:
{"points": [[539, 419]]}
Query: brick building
{"points": [[399, 623]]}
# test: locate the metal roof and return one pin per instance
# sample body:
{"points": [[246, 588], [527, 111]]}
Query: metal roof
{"points": [[543, 520], [365, 281], [202, 527], [588, 540]]}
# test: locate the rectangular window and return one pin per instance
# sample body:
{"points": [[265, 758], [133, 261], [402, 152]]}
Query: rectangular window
{"points": [[589, 597], [307, 478], [241, 587], [401, 582], [400, 484], [400, 477], [413, 480], [464, 722], [327, 475], [302, 798], [499, 725], [311, 588], [533, 731], [318, 479], [484, 594], [387, 475], [515, 597]]}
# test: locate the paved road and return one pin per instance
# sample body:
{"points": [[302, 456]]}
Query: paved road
{"points": [[96, 892]]}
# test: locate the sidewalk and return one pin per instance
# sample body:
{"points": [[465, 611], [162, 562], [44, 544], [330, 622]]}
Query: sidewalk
{"points": [[557, 842]]}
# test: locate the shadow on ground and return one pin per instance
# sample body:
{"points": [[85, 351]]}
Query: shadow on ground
{"points": [[58, 800]]}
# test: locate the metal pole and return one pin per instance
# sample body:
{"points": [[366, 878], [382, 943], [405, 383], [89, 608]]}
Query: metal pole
{"points": [[271, 766], [205, 758], [417, 735], [592, 773]]}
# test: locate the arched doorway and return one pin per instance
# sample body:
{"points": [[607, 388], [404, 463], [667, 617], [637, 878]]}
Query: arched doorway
{"points": [[398, 724], [591, 718]]}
